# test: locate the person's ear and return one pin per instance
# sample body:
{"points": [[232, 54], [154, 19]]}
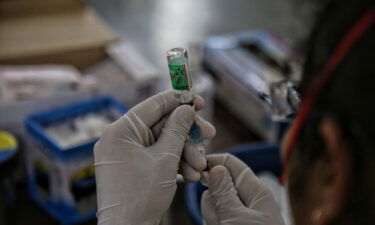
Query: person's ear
{"points": [[333, 175]]}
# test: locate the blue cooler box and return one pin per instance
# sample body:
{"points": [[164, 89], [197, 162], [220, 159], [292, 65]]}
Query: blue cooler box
{"points": [[62, 180]]}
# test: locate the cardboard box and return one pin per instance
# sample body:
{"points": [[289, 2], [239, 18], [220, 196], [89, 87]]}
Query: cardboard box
{"points": [[73, 36], [22, 8]]}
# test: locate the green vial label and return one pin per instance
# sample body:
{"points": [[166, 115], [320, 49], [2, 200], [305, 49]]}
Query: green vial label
{"points": [[180, 80]]}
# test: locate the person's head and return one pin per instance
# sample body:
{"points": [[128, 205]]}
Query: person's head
{"points": [[331, 169]]}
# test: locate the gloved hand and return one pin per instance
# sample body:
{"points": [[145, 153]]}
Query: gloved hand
{"points": [[137, 158], [235, 196]]}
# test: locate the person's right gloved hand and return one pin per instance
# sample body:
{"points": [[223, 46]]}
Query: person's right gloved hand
{"points": [[235, 196], [138, 156]]}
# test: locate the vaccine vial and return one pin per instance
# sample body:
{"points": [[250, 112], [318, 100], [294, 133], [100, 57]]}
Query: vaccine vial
{"points": [[179, 71]]}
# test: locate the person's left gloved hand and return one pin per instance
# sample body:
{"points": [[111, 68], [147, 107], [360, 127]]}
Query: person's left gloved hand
{"points": [[136, 168], [235, 196]]}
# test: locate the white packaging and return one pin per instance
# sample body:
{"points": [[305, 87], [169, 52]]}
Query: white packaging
{"points": [[26, 82]]}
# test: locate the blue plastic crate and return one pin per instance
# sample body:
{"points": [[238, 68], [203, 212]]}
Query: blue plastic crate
{"points": [[35, 123], [55, 161]]}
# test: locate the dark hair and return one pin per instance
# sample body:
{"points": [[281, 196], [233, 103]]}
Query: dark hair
{"points": [[348, 98]]}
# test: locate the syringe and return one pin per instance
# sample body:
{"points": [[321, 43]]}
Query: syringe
{"points": [[182, 83]]}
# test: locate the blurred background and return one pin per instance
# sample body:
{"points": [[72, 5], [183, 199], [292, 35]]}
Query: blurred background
{"points": [[68, 68]]}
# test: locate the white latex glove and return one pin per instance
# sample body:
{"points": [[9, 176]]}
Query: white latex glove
{"points": [[235, 196], [136, 168]]}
